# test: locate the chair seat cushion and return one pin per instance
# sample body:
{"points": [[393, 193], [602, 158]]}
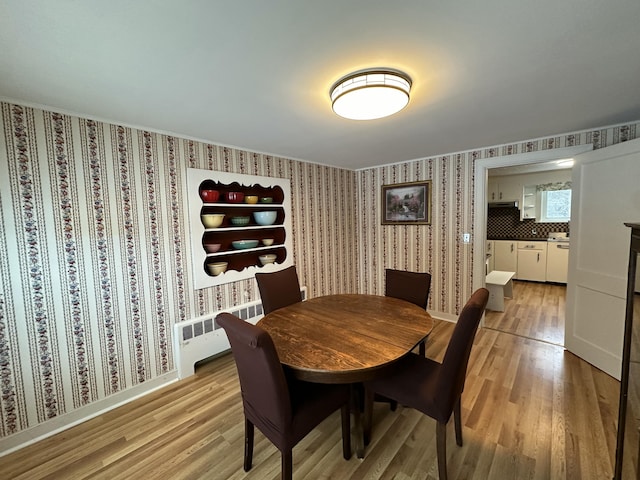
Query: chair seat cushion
{"points": [[310, 401], [413, 384]]}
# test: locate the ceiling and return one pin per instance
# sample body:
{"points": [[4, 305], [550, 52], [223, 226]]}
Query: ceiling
{"points": [[256, 74]]}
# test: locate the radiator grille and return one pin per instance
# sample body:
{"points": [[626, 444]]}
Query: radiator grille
{"points": [[199, 338], [207, 324]]}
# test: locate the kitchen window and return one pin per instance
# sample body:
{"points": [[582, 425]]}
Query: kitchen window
{"points": [[555, 202]]}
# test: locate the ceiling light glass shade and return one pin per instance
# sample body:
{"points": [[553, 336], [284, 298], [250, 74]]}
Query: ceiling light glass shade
{"points": [[370, 94]]}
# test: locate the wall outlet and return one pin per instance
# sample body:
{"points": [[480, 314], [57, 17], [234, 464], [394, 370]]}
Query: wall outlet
{"points": [[466, 237]]}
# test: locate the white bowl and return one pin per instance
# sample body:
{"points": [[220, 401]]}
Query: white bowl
{"points": [[217, 268], [268, 258], [265, 218], [267, 242], [212, 220]]}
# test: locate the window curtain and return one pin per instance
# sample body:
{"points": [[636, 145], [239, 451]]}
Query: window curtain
{"points": [[547, 187]]}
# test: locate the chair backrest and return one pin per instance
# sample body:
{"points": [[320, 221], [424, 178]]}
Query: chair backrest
{"points": [[265, 392], [410, 286], [279, 289], [453, 371]]}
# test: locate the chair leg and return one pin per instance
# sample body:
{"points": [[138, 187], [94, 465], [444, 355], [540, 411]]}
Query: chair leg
{"points": [[457, 420], [287, 465], [346, 431], [248, 444], [422, 349], [441, 448], [368, 415]]}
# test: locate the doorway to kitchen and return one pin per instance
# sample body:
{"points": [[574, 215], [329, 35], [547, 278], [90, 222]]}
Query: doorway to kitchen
{"points": [[537, 309], [524, 238]]}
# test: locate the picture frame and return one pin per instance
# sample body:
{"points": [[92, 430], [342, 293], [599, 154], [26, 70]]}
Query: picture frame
{"points": [[406, 203]]}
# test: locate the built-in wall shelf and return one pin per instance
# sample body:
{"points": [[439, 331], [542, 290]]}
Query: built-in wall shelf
{"points": [[271, 196], [528, 209]]}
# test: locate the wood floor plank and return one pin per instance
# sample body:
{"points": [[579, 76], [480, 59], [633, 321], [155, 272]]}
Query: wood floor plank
{"points": [[535, 311]]}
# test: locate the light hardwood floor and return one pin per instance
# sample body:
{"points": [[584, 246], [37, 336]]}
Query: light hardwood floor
{"points": [[535, 311], [530, 411]]}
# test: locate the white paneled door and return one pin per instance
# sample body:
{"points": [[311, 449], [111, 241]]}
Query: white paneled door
{"points": [[606, 193]]}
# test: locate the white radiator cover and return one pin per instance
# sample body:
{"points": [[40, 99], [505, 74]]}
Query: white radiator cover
{"points": [[200, 338]]}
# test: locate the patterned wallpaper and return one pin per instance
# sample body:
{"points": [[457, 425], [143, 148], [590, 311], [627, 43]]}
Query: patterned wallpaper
{"points": [[96, 256], [437, 248], [431, 248], [96, 267]]}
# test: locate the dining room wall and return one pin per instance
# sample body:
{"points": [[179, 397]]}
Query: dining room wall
{"points": [[438, 248], [96, 260]]}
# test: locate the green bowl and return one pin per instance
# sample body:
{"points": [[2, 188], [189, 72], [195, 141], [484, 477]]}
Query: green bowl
{"points": [[240, 221], [244, 244]]}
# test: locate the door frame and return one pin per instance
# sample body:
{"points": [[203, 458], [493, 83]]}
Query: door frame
{"points": [[481, 174]]}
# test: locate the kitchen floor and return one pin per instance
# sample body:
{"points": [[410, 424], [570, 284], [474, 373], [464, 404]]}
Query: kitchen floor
{"points": [[536, 311]]}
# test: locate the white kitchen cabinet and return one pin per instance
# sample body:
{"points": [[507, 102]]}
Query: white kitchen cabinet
{"points": [[532, 261], [493, 190], [557, 261], [501, 189], [506, 255]]}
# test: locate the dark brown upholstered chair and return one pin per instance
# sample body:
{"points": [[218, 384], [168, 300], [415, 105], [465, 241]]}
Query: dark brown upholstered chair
{"points": [[410, 286], [284, 409], [433, 388], [413, 287], [279, 289]]}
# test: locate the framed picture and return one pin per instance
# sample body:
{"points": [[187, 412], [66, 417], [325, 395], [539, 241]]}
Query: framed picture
{"points": [[407, 203]]}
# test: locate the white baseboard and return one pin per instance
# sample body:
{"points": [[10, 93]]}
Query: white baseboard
{"points": [[55, 425]]}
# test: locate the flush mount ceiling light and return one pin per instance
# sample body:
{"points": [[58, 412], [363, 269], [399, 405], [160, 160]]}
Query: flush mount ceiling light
{"points": [[370, 94]]}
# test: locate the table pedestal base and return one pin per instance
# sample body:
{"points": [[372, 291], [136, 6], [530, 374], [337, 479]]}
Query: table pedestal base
{"points": [[358, 430]]}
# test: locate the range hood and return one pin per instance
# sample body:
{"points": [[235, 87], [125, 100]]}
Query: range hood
{"points": [[513, 204]]}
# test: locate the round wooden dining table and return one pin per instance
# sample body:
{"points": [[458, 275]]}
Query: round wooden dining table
{"points": [[347, 338]]}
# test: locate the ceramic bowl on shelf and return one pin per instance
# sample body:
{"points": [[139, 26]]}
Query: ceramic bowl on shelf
{"points": [[212, 220], [267, 242], [250, 199], [240, 221], [235, 197], [244, 244], [268, 258], [265, 218], [209, 196], [266, 199], [211, 247], [217, 268]]}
